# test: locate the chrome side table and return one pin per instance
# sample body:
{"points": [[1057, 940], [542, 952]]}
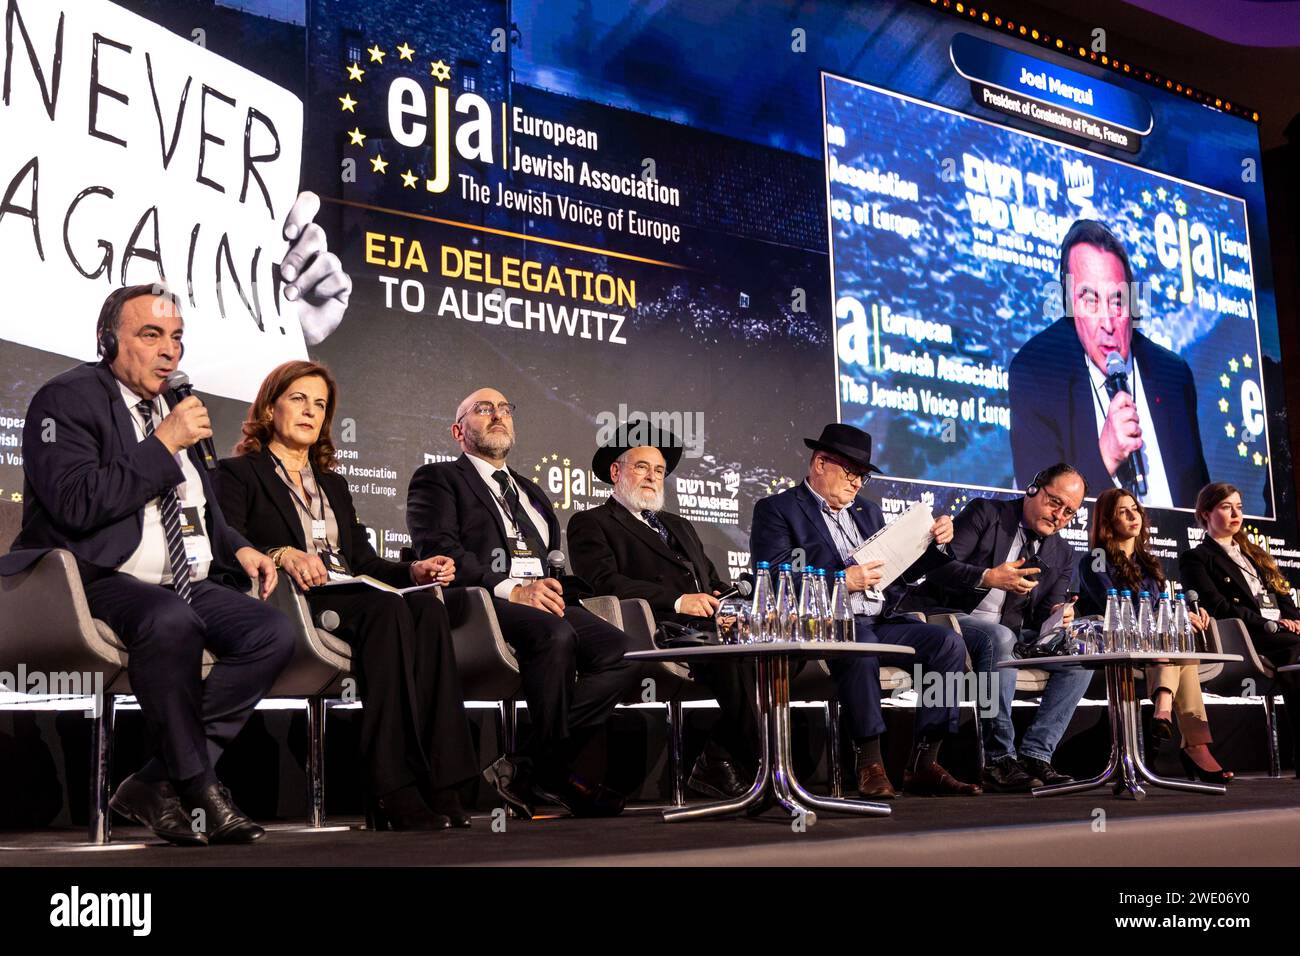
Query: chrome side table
{"points": [[775, 764], [1125, 769]]}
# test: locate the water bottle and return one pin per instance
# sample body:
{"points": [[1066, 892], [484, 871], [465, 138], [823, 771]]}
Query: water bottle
{"points": [[1164, 640], [825, 624], [841, 610], [1184, 633], [1127, 623], [1110, 623], [762, 618], [1145, 623], [787, 606], [807, 620]]}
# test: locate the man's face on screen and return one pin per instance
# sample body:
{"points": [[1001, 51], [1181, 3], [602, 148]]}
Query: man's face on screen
{"points": [[483, 426], [1099, 296], [148, 344]]}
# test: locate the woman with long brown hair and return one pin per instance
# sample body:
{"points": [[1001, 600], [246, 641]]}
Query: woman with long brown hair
{"points": [[281, 491], [1235, 577], [1119, 557]]}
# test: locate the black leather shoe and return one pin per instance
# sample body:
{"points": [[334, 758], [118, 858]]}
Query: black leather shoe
{"points": [[1005, 775], [1044, 771], [447, 802], [221, 820], [580, 798], [405, 809], [512, 778], [156, 806], [717, 778]]}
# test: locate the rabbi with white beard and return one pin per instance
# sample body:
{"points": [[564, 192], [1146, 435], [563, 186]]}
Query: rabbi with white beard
{"points": [[632, 548]]}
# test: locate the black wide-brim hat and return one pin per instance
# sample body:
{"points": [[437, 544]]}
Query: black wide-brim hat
{"points": [[626, 437], [845, 441]]}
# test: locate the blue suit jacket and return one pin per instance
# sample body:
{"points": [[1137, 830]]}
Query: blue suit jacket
{"points": [[87, 479], [793, 519], [1053, 417]]}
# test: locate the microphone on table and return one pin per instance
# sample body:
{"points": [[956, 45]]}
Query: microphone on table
{"points": [[743, 587], [1118, 380], [328, 620], [555, 565], [179, 383]]}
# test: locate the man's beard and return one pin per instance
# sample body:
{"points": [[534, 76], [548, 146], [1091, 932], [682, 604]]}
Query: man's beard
{"points": [[640, 499], [492, 444]]}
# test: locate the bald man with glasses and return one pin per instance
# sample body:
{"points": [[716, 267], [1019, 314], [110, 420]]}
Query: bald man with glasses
{"points": [[1010, 572], [499, 526]]}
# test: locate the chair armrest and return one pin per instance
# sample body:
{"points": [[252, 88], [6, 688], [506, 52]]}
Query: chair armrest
{"points": [[1230, 636]]}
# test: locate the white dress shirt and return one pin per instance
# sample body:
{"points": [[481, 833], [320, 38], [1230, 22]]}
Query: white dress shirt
{"points": [[486, 469], [990, 609], [846, 537], [1158, 494], [149, 561]]}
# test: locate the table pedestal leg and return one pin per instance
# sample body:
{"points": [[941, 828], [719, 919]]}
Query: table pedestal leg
{"points": [[1112, 764], [1130, 696], [775, 761]]}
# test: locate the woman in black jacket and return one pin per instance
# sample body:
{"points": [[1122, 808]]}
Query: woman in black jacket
{"points": [[1234, 577], [280, 491]]}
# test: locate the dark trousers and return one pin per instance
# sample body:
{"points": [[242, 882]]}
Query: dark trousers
{"points": [[573, 674], [190, 719], [1280, 649], [938, 650], [732, 685], [413, 725]]}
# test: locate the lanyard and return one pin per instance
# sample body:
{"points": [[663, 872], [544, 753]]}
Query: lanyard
{"points": [[293, 492]]}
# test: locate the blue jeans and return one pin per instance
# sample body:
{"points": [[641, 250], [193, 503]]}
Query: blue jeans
{"points": [[990, 642]]}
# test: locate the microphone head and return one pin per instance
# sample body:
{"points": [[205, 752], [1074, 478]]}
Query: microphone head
{"points": [[328, 620], [555, 559], [178, 380], [1114, 364], [744, 585], [1192, 597]]}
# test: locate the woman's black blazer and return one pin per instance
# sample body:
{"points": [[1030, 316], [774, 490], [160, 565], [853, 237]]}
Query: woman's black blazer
{"points": [[1221, 586]]}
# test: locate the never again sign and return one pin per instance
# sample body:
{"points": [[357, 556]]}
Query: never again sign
{"points": [[130, 155]]}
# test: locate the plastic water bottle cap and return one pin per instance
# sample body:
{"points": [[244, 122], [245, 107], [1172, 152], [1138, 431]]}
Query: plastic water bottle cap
{"points": [[1126, 593], [840, 574], [783, 567], [1145, 594], [763, 565], [1113, 591]]}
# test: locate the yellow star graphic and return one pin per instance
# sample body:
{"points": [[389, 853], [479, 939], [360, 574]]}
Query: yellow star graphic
{"points": [[1231, 432], [1223, 405], [1170, 292], [380, 165], [355, 73], [1137, 212], [376, 55], [1233, 366], [408, 180], [555, 457], [440, 71], [1247, 361], [1162, 194], [1223, 380], [358, 137], [1139, 260], [1181, 207], [348, 103], [405, 52], [1241, 449], [1258, 458]]}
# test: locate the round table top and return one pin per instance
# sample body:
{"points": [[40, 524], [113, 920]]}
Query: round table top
{"points": [[1120, 657], [813, 650]]}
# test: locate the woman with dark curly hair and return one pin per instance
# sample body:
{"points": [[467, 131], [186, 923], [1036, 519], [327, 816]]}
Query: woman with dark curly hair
{"points": [[1118, 540], [282, 493]]}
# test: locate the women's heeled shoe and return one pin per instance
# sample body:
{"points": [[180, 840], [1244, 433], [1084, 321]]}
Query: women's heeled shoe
{"points": [[447, 802], [404, 809], [1195, 771], [1162, 728]]}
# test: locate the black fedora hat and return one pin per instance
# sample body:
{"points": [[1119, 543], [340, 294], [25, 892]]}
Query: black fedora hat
{"points": [[636, 433], [845, 441]]}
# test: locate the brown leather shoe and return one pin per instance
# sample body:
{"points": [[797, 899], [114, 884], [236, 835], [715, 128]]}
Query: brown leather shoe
{"points": [[873, 783], [934, 781]]}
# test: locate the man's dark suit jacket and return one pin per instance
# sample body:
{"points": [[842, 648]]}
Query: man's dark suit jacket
{"points": [[450, 511], [982, 536], [258, 504], [1053, 415], [793, 519], [618, 554], [87, 479]]}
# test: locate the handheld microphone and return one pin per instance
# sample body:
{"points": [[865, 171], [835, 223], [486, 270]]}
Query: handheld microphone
{"points": [[555, 564], [1270, 626], [179, 383], [328, 620], [743, 587], [1118, 380], [1192, 598]]}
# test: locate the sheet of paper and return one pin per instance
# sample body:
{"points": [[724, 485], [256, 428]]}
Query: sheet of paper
{"points": [[1053, 622], [131, 152], [899, 543]]}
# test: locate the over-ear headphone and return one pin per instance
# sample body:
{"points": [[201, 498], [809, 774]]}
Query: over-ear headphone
{"points": [[106, 342], [1035, 484]]}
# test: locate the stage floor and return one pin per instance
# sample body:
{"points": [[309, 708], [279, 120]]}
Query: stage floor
{"points": [[1257, 823]]}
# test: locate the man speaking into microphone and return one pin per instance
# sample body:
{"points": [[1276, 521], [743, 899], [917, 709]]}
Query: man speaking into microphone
{"points": [[1092, 390], [114, 475]]}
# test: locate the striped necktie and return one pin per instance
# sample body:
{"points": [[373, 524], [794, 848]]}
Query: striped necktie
{"points": [[170, 506]]}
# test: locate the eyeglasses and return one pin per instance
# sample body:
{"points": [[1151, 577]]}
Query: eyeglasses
{"points": [[643, 468], [1056, 505], [486, 409], [852, 474]]}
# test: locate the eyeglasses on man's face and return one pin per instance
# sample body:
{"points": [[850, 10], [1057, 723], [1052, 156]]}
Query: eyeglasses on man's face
{"points": [[856, 475], [488, 409], [643, 468], [1057, 505]]}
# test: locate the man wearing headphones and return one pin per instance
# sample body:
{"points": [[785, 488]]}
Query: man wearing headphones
{"points": [[1009, 573], [111, 474]]}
